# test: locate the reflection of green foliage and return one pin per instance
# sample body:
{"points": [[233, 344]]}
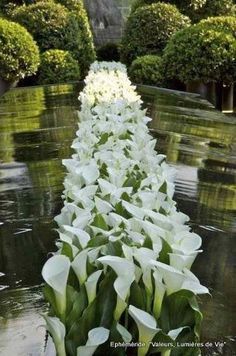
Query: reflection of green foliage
{"points": [[58, 66], [31, 104]]}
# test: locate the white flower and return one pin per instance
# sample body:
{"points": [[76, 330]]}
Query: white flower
{"points": [[55, 272], [96, 337], [147, 327], [125, 271]]}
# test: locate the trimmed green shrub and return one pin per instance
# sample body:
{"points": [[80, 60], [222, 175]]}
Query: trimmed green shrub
{"points": [[195, 9], [108, 52], [221, 23], [199, 53], [19, 54], [58, 66], [149, 28], [146, 70], [87, 55], [53, 26]]}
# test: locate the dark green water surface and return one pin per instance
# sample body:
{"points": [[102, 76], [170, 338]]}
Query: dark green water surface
{"points": [[37, 126]]}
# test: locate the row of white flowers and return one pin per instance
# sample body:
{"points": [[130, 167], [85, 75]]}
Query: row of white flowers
{"points": [[119, 215]]}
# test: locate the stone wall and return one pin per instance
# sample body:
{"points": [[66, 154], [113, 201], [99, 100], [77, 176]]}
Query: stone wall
{"points": [[107, 18]]}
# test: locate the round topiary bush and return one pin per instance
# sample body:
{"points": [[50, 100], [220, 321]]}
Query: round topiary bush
{"points": [[108, 52], [195, 9], [199, 53], [19, 54], [149, 28], [53, 26], [146, 70], [221, 23], [58, 66]]}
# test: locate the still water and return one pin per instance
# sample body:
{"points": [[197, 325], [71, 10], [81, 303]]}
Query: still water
{"points": [[37, 126]]}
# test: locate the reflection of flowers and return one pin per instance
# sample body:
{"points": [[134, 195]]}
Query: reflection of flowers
{"points": [[128, 248]]}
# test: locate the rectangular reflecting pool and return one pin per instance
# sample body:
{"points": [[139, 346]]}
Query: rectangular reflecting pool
{"points": [[37, 126]]}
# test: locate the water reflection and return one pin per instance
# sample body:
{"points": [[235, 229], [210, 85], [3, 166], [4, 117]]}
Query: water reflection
{"points": [[37, 126]]}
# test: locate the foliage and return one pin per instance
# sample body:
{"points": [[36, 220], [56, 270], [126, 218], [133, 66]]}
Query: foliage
{"points": [[19, 54], [221, 23], [122, 269], [53, 26], [195, 9], [147, 70], [149, 28], [201, 53], [108, 52], [58, 66]]}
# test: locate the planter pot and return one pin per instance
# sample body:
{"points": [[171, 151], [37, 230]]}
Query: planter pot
{"points": [[225, 97], [219, 94], [5, 86]]}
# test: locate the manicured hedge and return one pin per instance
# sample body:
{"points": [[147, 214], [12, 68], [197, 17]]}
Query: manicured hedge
{"points": [[200, 53], [221, 23], [149, 28], [53, 26], [19, 54], [146, 70], [195, 9], [58, 66]]}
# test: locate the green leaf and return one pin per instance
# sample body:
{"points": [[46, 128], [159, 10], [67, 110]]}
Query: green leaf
{"points": [[164, 254], [100, 222], [137, 296], [67, 250]]}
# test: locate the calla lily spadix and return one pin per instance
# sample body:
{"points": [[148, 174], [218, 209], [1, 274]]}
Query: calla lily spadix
{"points": [[55, 272]]}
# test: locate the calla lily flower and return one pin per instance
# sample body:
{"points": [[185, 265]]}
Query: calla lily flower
{"points": [[147, 327], [96, 337], [79, 265], [126, 336], [143, 255], [55, 272], [57, 331], [82, 236], [91, 285], [182, 261], [176, 280], [160, 290], [125, 271]]}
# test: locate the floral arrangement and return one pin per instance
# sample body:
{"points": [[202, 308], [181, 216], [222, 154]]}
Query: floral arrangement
{"points": [[121, 276]]}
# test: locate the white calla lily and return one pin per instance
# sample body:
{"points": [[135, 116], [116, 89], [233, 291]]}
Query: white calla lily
{"points": [[79, 265], [125, 334], [96, 337], [91, 285], [57, 331], [147, 327], [82, 236], [125, 271], [55, 272], [182, 261], [159, 293], [176, 280]]}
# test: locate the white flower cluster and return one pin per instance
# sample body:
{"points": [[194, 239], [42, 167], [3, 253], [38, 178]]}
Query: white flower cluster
{"points": [[119, 189]]}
